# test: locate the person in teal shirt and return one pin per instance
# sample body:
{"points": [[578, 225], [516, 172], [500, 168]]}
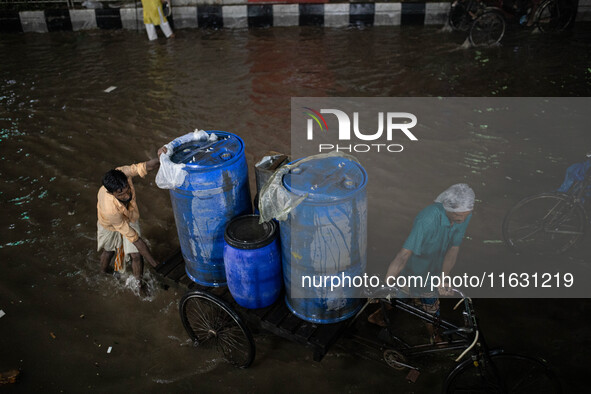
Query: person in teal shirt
{"points": [[432, 247], [433, 235]]}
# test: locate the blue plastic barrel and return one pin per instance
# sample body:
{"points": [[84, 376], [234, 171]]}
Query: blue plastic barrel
{"points": [[325, 236], [215, 191], [253, 261]]}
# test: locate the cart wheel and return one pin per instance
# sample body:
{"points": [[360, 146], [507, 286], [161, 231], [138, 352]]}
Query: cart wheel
{"points": [[502, 373], [488, 29], [209, 321], [393, 358]]}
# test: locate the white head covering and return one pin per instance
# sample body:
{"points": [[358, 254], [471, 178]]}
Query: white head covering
{"points": [[457, 198]]}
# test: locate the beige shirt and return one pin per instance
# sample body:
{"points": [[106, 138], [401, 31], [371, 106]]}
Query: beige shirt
{"points": [[112, 213]]}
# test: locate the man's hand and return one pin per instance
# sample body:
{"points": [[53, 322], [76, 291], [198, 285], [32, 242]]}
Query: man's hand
{"points": [[155, 162], [445, 291]]}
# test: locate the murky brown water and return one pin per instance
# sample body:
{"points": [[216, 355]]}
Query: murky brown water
{"points": [[61, 132]]}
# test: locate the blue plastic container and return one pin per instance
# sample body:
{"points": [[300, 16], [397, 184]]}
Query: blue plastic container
{"points": [[252, 257], [215, 191], [325, 236]]}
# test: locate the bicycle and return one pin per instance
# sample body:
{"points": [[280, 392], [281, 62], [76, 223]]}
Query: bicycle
{"points": [[483, 370], [214, 321], [551, 222], [486, 22]]}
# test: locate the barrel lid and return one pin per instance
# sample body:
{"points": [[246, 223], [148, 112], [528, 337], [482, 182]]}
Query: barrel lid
{"points": [[326, 179], [208, 153], [245, 232]]}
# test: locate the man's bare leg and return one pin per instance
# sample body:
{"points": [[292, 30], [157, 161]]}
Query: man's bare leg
{"points": [[137, 267], [106, 258], [434, 333]]}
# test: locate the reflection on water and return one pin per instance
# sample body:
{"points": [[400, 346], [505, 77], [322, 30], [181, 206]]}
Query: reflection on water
{"points": [[480, 161], [60, 131]]}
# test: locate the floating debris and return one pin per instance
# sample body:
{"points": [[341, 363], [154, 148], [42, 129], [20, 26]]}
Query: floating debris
{"points": [[492, 241], [52, 335], [110, 89], [9, 376], [2, 313], [109, 349]]}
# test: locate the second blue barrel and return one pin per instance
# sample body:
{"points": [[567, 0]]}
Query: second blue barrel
{"points": [[324, 237], [253, 261], [215, 191]]}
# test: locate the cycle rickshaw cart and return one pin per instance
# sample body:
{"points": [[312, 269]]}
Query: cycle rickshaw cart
{"points": [[213, 319], [486, 21]]}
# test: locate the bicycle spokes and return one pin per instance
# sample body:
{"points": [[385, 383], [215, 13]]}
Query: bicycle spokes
{"points": [[545, 224]]}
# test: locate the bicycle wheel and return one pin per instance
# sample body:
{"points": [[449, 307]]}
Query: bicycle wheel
{"points": [[459, 18], [502, 373], [210, 322], [488, 29], [548, 223], [555, 16]]}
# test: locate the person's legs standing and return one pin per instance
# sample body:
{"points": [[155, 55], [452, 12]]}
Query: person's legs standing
{"points": [[151, 30], [106, 258], [108, 242], [137, 263], [164, 25], [167, 30], [431, 306]]}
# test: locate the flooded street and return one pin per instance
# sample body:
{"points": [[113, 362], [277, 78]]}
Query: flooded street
{"points": [[60, 132]]}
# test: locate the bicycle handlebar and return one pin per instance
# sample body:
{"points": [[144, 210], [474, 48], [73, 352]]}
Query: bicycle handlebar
{"points": [[395, 291], [474, 342], [459, 292], [465, 330]]}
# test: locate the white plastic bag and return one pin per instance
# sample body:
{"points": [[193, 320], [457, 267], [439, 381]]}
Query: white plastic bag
{"points": [[275, 201], [172, 175]]}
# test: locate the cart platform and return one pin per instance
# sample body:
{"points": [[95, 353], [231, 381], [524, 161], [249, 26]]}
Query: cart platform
{"points": [[277, 318]]}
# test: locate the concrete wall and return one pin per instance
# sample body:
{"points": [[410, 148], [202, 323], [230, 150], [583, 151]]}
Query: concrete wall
{"points": [[239, 14], [216, 13]]}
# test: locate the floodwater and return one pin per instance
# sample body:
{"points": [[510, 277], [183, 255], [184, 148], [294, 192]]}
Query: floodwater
{"points": [[61, 132]]}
